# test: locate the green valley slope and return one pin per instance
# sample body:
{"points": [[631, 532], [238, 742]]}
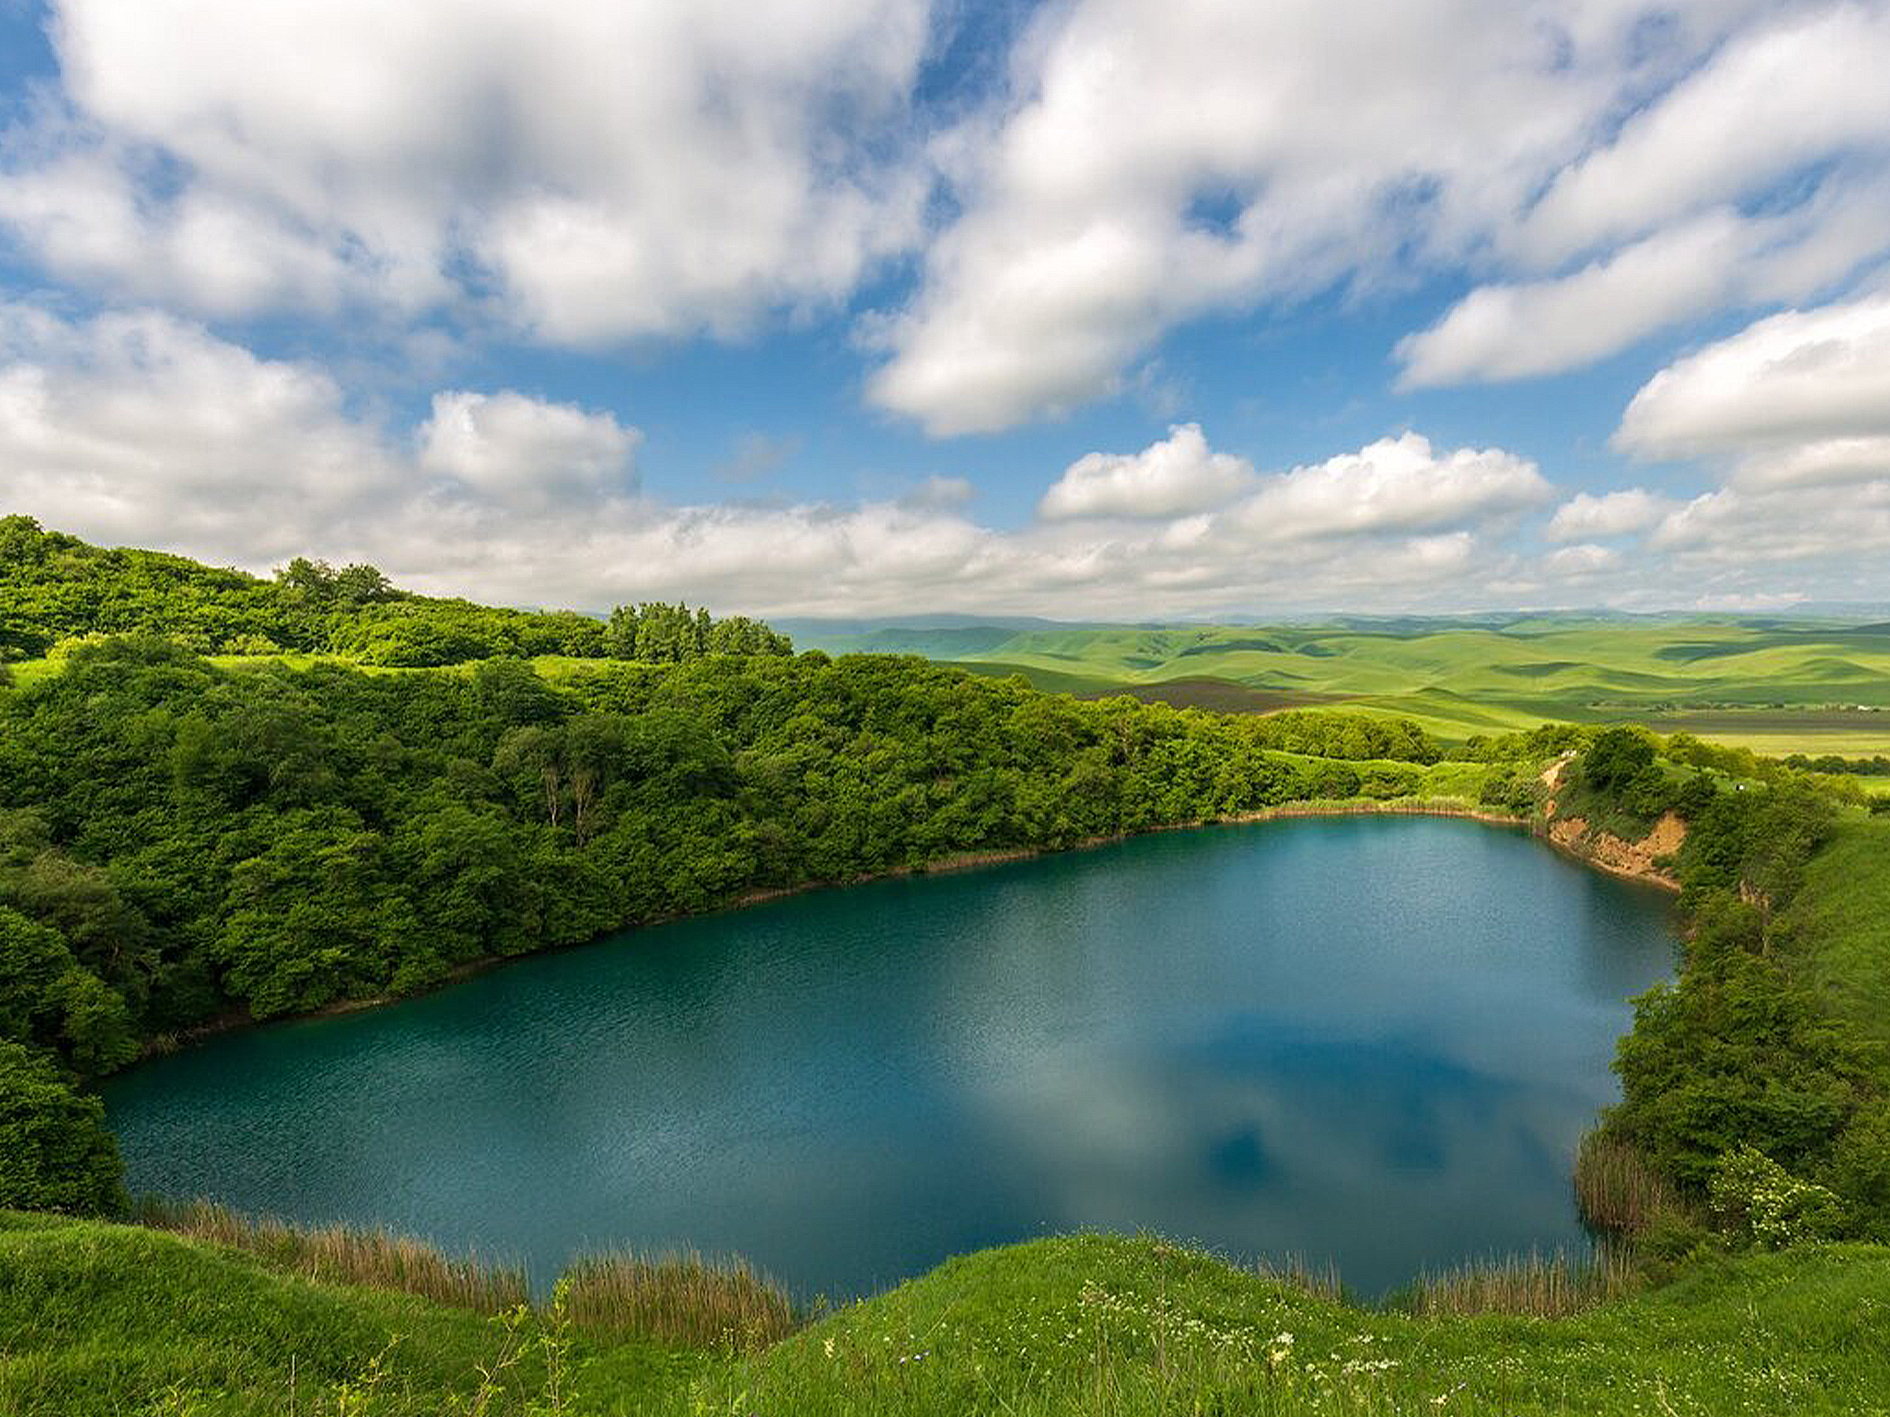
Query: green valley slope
{"points": [[1776, 686]]}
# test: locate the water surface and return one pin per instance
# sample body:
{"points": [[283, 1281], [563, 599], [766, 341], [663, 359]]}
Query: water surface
{"points": [[1370, 1039]]}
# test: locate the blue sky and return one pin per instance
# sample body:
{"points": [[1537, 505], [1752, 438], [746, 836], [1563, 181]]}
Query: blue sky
{"points": [[1095, 310]]}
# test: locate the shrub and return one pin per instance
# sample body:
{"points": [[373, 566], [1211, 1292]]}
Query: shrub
{"points": [[55, 1153], [1759, 1201]]}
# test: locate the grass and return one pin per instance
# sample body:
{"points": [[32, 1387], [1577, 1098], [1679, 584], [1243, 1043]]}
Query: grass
{"points": [[683, 1300], [1775, 686], [1839, 924], [102, 1319], [374, 1258], [1617, 1191], [1550, 1286]]}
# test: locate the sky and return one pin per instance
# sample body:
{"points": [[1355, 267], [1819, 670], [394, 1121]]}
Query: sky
{"points": [[1099, 309]]}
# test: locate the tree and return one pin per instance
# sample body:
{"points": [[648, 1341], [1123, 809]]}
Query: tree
{"points": [[55, 1153], [1615, 757]]}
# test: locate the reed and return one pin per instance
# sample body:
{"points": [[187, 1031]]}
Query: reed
{"points": [[678, 1298], [1319, 1280], [341, 1255], [1535, 1285], [1618, 1192]]}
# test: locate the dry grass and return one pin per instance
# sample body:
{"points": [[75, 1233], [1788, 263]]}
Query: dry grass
{"points": [[1617, 1191], [1534, 1285], [340, 1255], [677, 1298], [1295, 1271]]}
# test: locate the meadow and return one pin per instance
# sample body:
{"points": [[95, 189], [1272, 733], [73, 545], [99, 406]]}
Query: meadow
{"points": [[1775, 686], [102, 1319]]}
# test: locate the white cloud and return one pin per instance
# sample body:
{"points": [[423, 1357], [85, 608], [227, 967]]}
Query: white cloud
{"points": [[598, 170], [514, 499], [133, 422], [1394, 485], [1792, 379], [1612, 514], [1159, 162], [1802, 87], [523, 449], [1586, 559], [1827, 462], [1699, 265], [1794, 410], [1174, 477], [518, 500]]}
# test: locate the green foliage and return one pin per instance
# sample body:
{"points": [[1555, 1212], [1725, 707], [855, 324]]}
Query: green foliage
{"points": [[1761, 1203], [60, 593], [1741, 1053], [55, 1153], [1615, 758], [669, 634]]}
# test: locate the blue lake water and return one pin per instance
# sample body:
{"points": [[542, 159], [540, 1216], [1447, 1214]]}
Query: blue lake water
{"points": [[1374, 1040]]}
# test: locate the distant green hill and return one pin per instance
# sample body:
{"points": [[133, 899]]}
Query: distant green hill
{"points": [[1779, 687]]}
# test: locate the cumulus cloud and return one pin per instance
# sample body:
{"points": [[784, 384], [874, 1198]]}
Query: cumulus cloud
{"points": [[1394, 485], [1611, 514], [1091, 221], [1800, 377], [1587, 559], [594, 170], [1802, 87], [1694, 267], [518, 499], [523, 449], [1793, 413], [1178, 475], [137, 423]]}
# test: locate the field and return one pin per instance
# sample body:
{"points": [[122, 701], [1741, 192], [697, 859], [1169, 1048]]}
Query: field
{"points": [[1777, 687], [108, 1319]]}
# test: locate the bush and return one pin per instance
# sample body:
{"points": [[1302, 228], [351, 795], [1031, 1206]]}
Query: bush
{"points": [[1758, 1201], [55, 1153]]}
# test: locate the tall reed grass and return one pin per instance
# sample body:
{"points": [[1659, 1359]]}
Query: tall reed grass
{"points": [[677, 1298], [1295, 1271], [1618, 1191], [1536, 1285], [341, 1255]]}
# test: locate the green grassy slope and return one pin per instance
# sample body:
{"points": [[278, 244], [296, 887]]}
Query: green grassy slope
{"points": [[105, 1319], [1840, 924], [1811, 685], [98, 1319]]}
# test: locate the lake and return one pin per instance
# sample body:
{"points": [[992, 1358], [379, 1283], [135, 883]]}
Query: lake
{"points": [[1374, 1040]]}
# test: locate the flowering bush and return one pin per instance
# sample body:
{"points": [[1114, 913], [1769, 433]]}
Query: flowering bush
{"points": [[1763, 1203]]}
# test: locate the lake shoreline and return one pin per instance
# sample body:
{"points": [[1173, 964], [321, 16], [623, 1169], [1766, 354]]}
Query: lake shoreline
{"points": [[953, 862]]}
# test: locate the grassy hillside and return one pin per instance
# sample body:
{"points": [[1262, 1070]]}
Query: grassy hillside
{"points": [[1775, 687], [102, 1319], [1839, 926]]}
